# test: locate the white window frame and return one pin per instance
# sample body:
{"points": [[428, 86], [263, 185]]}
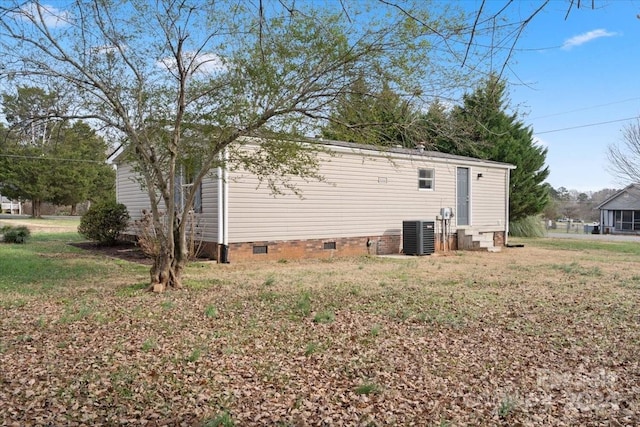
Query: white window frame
{"points": [[183, 186], [428, 181]]}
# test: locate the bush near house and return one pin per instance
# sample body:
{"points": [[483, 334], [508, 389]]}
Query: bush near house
{"points": [[104, 222]]}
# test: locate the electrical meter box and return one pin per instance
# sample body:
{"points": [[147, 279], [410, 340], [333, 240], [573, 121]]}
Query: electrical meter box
{"points": [[446, 213]]}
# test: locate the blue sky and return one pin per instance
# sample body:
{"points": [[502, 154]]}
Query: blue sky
{"points": [[575, 73]]}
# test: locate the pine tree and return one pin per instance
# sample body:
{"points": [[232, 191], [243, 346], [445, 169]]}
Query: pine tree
{"points": [[83, 169], [46, 159], [495, 134], [366, 116]]}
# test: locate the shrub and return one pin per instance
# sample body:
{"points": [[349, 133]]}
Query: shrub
{"points": [[148, 240], [530, 226], [104, 222], [15, 234]]}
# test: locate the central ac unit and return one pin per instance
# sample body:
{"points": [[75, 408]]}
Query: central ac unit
{"points": [[418, 237]]}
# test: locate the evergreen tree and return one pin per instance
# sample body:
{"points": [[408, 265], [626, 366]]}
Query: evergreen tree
{"points": [[495, 134], [103, 187], [438, 132], [45, 159], [83, 170], [380, 118], [26, 174]]}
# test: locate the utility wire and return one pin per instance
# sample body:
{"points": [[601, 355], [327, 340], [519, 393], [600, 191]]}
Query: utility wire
{"points": [[584, 108], [586, 126], [13, 156]]}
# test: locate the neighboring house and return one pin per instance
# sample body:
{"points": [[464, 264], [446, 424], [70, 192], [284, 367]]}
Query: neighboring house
{"points": [[10, 206], [620, 213], [359, 208]]}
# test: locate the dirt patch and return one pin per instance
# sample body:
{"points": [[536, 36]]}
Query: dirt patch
{"points": [[44, 226], [123, 250]]}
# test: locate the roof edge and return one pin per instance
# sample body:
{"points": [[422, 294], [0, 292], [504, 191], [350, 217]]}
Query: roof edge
{"points": [[367, 147], [618, 194]]}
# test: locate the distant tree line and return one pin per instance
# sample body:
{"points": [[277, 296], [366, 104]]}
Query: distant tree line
{"points": [[46, 159], [575, 205]]}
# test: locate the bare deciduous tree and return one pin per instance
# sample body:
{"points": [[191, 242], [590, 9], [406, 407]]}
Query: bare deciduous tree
{"points": [[624, 157]]}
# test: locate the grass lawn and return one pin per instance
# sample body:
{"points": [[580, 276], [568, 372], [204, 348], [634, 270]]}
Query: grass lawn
{"points": [[548, 334]]}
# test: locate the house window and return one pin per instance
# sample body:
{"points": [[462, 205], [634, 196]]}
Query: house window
{"points": [[426, 179], [184, 183]]}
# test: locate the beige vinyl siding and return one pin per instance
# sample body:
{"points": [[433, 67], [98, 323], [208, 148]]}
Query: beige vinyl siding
{"points": [[129, 193], [208, 220], [488, 197], [355, 200], [365, 193], [135, 199]]}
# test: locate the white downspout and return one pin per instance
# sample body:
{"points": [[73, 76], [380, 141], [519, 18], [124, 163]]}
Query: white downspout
{"points": [[225, 215], [220, 207], [223, 208], [506, 208]]}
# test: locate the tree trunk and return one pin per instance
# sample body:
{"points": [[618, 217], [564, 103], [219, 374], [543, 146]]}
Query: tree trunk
{"points": [[166, 271], [36, 205], [74, 209]]}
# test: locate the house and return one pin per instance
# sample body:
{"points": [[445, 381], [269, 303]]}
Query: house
{"points": [[359, 208], [620, 213]]}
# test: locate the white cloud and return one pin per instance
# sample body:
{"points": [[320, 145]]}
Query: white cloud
{"points": [[103, 50], [581, 39], [51, 16], [206, 63], [209, 63]]}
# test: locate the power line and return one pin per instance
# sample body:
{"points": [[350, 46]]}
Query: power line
{"points": [[584, 108], [585, 126]]}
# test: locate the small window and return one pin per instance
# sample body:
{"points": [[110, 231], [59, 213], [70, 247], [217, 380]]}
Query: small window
{"points": [[329, 245], [426, 178], [263, 249]]}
